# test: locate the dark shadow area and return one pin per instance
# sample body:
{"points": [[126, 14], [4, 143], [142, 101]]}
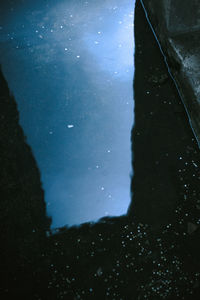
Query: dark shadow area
{"points": [[151, 254], [166, 155], [23, 221]]}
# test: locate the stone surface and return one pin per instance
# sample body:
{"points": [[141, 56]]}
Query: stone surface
{"points": [[176, 25], [166, 155]]}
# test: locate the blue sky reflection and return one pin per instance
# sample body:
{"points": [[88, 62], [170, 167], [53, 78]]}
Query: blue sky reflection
{"points": [[70, 67]]}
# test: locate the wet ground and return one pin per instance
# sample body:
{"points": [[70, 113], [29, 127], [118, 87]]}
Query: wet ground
{"points": [[153, 253]]}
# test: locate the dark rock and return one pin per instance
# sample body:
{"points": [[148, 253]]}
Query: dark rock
{"points": [[23, 211], [176, 25]]}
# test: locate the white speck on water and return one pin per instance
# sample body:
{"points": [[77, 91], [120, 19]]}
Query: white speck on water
{"points": [[102, 188], [70, 126], [78, 56]]}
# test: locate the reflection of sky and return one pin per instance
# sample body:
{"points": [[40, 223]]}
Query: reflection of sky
{"points": [[70, 67]]}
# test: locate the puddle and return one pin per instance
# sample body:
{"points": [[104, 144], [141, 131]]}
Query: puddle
{"points": [[70, 66]]}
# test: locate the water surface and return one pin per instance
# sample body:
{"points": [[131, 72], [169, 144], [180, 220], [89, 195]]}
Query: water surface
{"points": [[70, 67]]}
